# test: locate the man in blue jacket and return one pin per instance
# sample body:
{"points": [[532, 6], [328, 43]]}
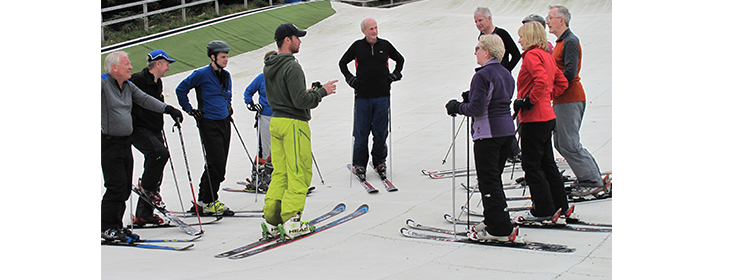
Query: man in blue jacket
{"points": [[213, 89]]}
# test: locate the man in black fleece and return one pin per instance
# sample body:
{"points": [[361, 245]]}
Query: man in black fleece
{"points": [[372, 86]]}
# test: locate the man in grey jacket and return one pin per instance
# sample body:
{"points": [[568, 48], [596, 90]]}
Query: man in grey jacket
{"points": [[118, 97]]}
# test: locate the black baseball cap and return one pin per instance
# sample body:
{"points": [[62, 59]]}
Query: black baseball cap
{"points": [[286, 30]]}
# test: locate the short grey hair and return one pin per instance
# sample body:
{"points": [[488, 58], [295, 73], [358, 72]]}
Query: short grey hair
{"points": [[152, 64], [113, 58], [484, 11], [562, 12]]}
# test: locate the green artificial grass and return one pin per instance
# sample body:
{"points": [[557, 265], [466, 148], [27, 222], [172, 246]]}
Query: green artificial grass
{"points": [[243, 34]]}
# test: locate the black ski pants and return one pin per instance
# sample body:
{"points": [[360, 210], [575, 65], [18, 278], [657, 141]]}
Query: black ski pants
{"points": [[117, 170], [489, 158], [215, 135], [156, 155], [541, 173]]}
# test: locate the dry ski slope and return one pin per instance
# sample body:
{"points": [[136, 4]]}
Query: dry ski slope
{"points": [[437, 38]]}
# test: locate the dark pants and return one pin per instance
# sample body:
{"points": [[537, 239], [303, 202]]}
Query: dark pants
{"points": [[156, 155], [215, 135], [370, 115], [541, 173], [117, 170], [489, 158]]}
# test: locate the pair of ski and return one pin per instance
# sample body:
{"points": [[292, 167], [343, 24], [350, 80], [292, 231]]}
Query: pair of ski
{"points": [[170, 216], [368, 187], [178, 214], [265, 244], [592, 227], [448, 173], [251, 189], [534, 246], [462, 172], [146, 243], [237, 214]]}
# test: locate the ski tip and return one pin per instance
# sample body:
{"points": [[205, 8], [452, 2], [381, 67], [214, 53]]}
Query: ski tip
{"points": [[363, 207], [340, 205]]}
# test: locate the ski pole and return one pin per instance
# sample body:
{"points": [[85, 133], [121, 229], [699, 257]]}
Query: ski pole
{"points": [[318, 168], [243, 143], [468, 174], [390, 139], [248, 157], [455, 134], [259, 153], [190, 180], [354, 123], [171, 165], [453, 162]]}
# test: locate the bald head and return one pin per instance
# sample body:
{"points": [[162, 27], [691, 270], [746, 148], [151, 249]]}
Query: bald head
{"points": [[370, 29]]}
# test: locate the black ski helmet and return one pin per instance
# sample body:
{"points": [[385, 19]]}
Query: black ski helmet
{"points": [[216, 47]]}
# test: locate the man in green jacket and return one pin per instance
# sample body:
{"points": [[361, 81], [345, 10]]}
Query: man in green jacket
{"points": [[290, 136]]}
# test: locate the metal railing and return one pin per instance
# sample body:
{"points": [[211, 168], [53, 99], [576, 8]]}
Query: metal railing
{"points": [[146, 13]]}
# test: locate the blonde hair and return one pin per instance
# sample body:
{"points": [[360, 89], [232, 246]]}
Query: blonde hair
{"points": [[494, 44], [533, 36]]}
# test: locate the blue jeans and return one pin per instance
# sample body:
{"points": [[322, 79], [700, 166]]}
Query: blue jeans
{"points": [[370, 115]]}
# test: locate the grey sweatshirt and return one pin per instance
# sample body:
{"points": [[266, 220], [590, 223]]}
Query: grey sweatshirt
{"points": [[117, 105]]}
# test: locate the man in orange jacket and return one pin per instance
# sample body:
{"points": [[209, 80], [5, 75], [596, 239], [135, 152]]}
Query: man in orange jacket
{"points": [[570, 106]]}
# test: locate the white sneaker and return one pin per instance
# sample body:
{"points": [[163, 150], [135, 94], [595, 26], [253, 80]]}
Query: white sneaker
{"points": [[269, 230], [293, 228]]}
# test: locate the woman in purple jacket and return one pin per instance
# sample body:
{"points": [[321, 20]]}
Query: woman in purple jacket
{"points": [[488, 103]]}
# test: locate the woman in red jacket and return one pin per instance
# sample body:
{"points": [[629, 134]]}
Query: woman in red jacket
{"points": [[539, 80]]}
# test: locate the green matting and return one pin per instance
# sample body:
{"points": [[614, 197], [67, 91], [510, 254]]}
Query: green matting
{"points": [[243, 34]]}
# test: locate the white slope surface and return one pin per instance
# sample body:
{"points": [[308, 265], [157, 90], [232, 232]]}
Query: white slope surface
{"points": [[437, 38]]}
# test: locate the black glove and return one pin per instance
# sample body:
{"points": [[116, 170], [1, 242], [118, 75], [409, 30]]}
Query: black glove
{"points": [[316, 85], [352, 81], [174, 113], [524, 103], [452, 107], [255, 107], [231, 111], [395, 76], [197, 114], [465, 96]]}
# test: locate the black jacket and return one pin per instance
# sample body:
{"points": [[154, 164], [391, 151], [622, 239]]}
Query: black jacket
{"points": [[153, 121], [510, 49], [372, 66]]}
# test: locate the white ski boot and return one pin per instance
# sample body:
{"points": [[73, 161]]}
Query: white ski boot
{"points": [[483, 235], [293, 228], [269, 230]]}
